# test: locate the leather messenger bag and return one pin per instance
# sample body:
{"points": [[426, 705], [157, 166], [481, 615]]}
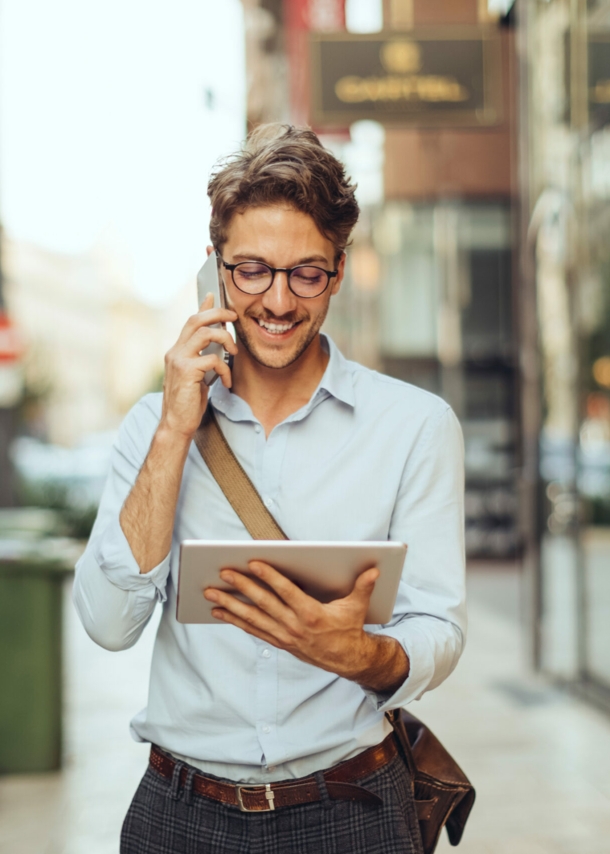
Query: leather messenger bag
{"points": [[443, 794]]}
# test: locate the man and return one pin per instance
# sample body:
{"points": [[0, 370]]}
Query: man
{"points": [[285, 696]]}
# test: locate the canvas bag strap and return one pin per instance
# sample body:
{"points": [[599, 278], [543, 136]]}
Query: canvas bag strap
{"points": [[237, 487]]}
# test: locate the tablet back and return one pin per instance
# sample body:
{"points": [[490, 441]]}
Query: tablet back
{"points": [[324, 570]]}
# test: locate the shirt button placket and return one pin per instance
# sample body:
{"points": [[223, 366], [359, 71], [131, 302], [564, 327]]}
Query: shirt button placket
{"points": [[266, 699]]}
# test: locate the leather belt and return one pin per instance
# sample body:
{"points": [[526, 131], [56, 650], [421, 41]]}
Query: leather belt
{"points": [[340, 782]]}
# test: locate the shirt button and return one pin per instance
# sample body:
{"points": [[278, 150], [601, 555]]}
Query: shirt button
{"points": [[266, 729], [267, 501], [257, 428], [266, 653]]}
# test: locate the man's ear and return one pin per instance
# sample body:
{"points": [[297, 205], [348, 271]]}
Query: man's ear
{"points": [[336, 285], [209, 250]]}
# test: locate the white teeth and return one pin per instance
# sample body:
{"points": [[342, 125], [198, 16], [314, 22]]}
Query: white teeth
{"points": [[275, 328]]}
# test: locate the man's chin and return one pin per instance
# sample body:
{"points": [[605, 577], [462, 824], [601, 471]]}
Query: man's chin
{"points": [[276, 356]]}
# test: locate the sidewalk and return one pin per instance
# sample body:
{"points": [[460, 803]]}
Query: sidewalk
{"points": [[538, 758]]}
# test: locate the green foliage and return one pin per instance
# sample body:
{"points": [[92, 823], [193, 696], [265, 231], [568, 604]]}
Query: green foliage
{"points": [[76, 519]]}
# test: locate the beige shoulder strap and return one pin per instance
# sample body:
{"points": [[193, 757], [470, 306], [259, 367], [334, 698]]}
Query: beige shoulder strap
{"points": [[239, 490]]}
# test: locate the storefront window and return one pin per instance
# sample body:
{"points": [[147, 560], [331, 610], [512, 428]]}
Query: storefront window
{"points": [[594, 454], [446, 325]]}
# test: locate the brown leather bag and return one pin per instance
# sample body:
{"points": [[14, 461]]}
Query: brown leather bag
{"points": [[443, 794]]}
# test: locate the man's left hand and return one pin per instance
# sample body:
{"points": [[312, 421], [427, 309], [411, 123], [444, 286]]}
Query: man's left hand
{"points": [[330, 636]]}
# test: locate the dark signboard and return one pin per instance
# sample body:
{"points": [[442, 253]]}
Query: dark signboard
{"points": [[420, 77], [599, 78]]}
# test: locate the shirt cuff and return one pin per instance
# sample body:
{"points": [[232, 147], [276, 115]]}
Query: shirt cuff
{"points": [[114, 556], [421, 668]]}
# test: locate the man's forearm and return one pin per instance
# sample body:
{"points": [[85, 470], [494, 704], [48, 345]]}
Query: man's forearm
{"points": [[147, 517], [386, 665]]}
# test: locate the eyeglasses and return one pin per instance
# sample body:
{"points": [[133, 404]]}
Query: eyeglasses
{"points": [[255, 277]]}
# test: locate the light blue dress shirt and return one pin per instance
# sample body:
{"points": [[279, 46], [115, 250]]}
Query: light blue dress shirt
{"points": [[368, 458]]}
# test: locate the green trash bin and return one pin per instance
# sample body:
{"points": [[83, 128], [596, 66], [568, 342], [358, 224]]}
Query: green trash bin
{"points": [[32, 574]]}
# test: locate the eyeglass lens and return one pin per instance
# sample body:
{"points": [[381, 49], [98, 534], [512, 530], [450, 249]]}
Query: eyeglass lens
{"points": [[254, 278]]}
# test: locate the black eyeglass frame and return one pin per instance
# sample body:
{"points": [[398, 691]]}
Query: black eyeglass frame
{"points": [[330, 274]]}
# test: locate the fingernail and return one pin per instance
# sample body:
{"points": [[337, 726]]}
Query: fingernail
{"points": [[211, 594], [218, 615], [227, 576], [256, 568]]}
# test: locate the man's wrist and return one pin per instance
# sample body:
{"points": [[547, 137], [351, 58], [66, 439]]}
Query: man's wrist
{"points": [[169, 439], [384, 664]]}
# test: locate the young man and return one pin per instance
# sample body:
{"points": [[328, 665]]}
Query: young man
{"points": [[285, 696]]}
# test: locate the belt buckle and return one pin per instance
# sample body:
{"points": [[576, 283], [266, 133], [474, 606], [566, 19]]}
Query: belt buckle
{"points": [[268, 794]]}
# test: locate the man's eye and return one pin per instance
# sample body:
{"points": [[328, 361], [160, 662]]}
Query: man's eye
{"points": [[308, 275], [252, 271]]}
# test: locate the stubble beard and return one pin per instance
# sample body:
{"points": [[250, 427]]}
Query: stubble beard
{"points": [[280, 358]]}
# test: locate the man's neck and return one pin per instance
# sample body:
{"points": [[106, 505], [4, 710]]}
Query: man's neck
{"points": [[275, 393]]}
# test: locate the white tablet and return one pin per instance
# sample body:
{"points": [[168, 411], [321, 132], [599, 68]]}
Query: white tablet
{"points": [[323, 570]]}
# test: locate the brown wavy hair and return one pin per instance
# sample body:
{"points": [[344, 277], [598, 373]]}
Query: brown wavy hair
{"points": [[283, 163]]}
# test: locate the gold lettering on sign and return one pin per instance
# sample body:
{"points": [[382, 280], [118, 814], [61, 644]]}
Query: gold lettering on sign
{"points": [[401, 57], [412, 87]]}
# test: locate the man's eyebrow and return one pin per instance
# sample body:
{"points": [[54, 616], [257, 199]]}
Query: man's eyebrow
{"points": [[311, 259]]}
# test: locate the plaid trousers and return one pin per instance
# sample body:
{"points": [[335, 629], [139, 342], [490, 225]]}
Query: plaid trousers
{"points": [[166, 819]]}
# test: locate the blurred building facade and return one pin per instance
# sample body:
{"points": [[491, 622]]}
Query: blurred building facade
{"points": [[430, 294], [92, 347], [564, 50]]}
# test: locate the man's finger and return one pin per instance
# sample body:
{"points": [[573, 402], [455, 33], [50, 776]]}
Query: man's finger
{"points": [[200, 366], [285, 589], [262, 598], [248, 614], [204, 336], [224, 616], [213, 363], [205, 318]]}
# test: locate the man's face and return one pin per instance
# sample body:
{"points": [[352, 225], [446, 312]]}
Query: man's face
{"points": [[276, 327]]}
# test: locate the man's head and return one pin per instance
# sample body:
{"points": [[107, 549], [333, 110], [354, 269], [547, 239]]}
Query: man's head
{"points": [[285, 201]]}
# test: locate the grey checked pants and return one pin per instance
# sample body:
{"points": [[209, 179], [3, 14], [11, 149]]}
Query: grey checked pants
{"points": [[164, 819]]}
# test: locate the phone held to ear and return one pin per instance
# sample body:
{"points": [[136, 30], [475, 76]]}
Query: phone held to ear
{"points": [[208, 282]]}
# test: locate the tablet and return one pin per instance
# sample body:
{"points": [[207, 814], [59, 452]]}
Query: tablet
{"points": [[324, 570]]}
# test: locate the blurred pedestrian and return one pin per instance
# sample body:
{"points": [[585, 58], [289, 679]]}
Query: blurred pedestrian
{"points": [[269, 734]]}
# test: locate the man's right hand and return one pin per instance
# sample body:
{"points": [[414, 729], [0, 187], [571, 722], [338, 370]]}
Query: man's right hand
{"points": [[185, 395]]}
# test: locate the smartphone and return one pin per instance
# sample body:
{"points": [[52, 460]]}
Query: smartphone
{"points": [[209, 282]]}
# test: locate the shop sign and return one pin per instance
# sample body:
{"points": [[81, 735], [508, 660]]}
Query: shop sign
{"points": [[429, 77]]}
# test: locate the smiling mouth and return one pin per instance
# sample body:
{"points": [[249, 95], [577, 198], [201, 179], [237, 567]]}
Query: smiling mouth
{"points": [[276, 328]]}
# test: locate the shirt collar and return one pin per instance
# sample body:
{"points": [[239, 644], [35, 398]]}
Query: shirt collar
{"points": [[337, 380]]}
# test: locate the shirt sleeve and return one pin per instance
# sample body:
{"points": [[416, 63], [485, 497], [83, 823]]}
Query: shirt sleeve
{"points": [[113, 599], [430, 614]]}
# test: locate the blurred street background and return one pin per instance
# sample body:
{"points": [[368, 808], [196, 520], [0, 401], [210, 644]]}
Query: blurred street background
{"points": [[478, 132]]}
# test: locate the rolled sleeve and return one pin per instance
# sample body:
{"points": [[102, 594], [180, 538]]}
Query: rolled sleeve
{"points": [[433, 652], [115, 619], [429, 618], [115, 558]]}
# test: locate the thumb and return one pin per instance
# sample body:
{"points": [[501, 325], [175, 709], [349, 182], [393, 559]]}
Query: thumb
{"points": [[208, 302], [363, 588]]}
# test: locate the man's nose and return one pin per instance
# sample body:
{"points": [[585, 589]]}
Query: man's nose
{"points": [[279, 299]]}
